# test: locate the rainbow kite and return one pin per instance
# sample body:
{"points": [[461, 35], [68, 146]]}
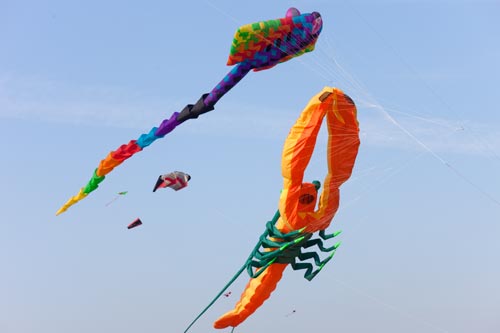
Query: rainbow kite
{"points": [[256, 46]]}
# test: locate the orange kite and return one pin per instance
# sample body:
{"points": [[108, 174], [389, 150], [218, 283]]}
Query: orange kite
{"points": [[297, 219], [297, 214]]}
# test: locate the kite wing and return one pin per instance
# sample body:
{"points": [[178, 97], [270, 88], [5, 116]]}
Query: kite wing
{"points": [[175, 180]]}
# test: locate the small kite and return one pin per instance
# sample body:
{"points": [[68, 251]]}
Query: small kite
{"points": [[116, 198], [255, 46], [175, 180], [294, 225], [137, 222]]}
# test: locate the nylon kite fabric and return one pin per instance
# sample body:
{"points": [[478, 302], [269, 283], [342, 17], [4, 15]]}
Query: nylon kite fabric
{"points": [[297, 218], [256, 46], [263, 45], [176, 180], [288, 35]]}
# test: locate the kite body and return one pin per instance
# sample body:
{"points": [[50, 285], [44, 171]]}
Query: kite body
{"points": [[116, 198], [137, 222], [175, 180], [256, 46], [265, 43], [297, 218]]}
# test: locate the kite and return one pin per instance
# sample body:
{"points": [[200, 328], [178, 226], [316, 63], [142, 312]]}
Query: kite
{"points": [[256, 46], [294, 225], [137, 222], [175, 180], [116, 198]]}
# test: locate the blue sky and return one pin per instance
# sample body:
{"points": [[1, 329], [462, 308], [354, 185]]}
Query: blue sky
{"points": [[419, 216]]}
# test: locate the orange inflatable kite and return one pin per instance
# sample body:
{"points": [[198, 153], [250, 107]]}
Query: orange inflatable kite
{"points": [[297, 219], [298, 199]]}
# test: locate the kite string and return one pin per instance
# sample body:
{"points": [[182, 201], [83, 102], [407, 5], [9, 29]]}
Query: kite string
{"points": [[217, 296], [389, 306], [376, 105], [433, 153], [110, 202], [439, 158], [407, 132]]}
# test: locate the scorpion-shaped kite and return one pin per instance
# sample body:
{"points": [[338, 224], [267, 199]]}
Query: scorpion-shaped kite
{"points": [[294, 224]]}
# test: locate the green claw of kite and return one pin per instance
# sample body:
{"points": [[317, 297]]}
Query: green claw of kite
{"points": [[301, 238], [284, 246], [337, 245], [295, 241], [326, 236], [326, 261]]}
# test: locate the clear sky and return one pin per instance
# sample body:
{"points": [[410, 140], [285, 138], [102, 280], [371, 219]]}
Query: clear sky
{"points": [[420, 215]]}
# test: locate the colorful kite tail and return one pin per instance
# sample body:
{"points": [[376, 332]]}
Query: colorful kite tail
{"points": [[118, 156]]}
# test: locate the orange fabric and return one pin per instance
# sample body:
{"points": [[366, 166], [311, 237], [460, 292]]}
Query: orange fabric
{"points": [[107, 165], [256, 292], [342, 149], [298, 199]]}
